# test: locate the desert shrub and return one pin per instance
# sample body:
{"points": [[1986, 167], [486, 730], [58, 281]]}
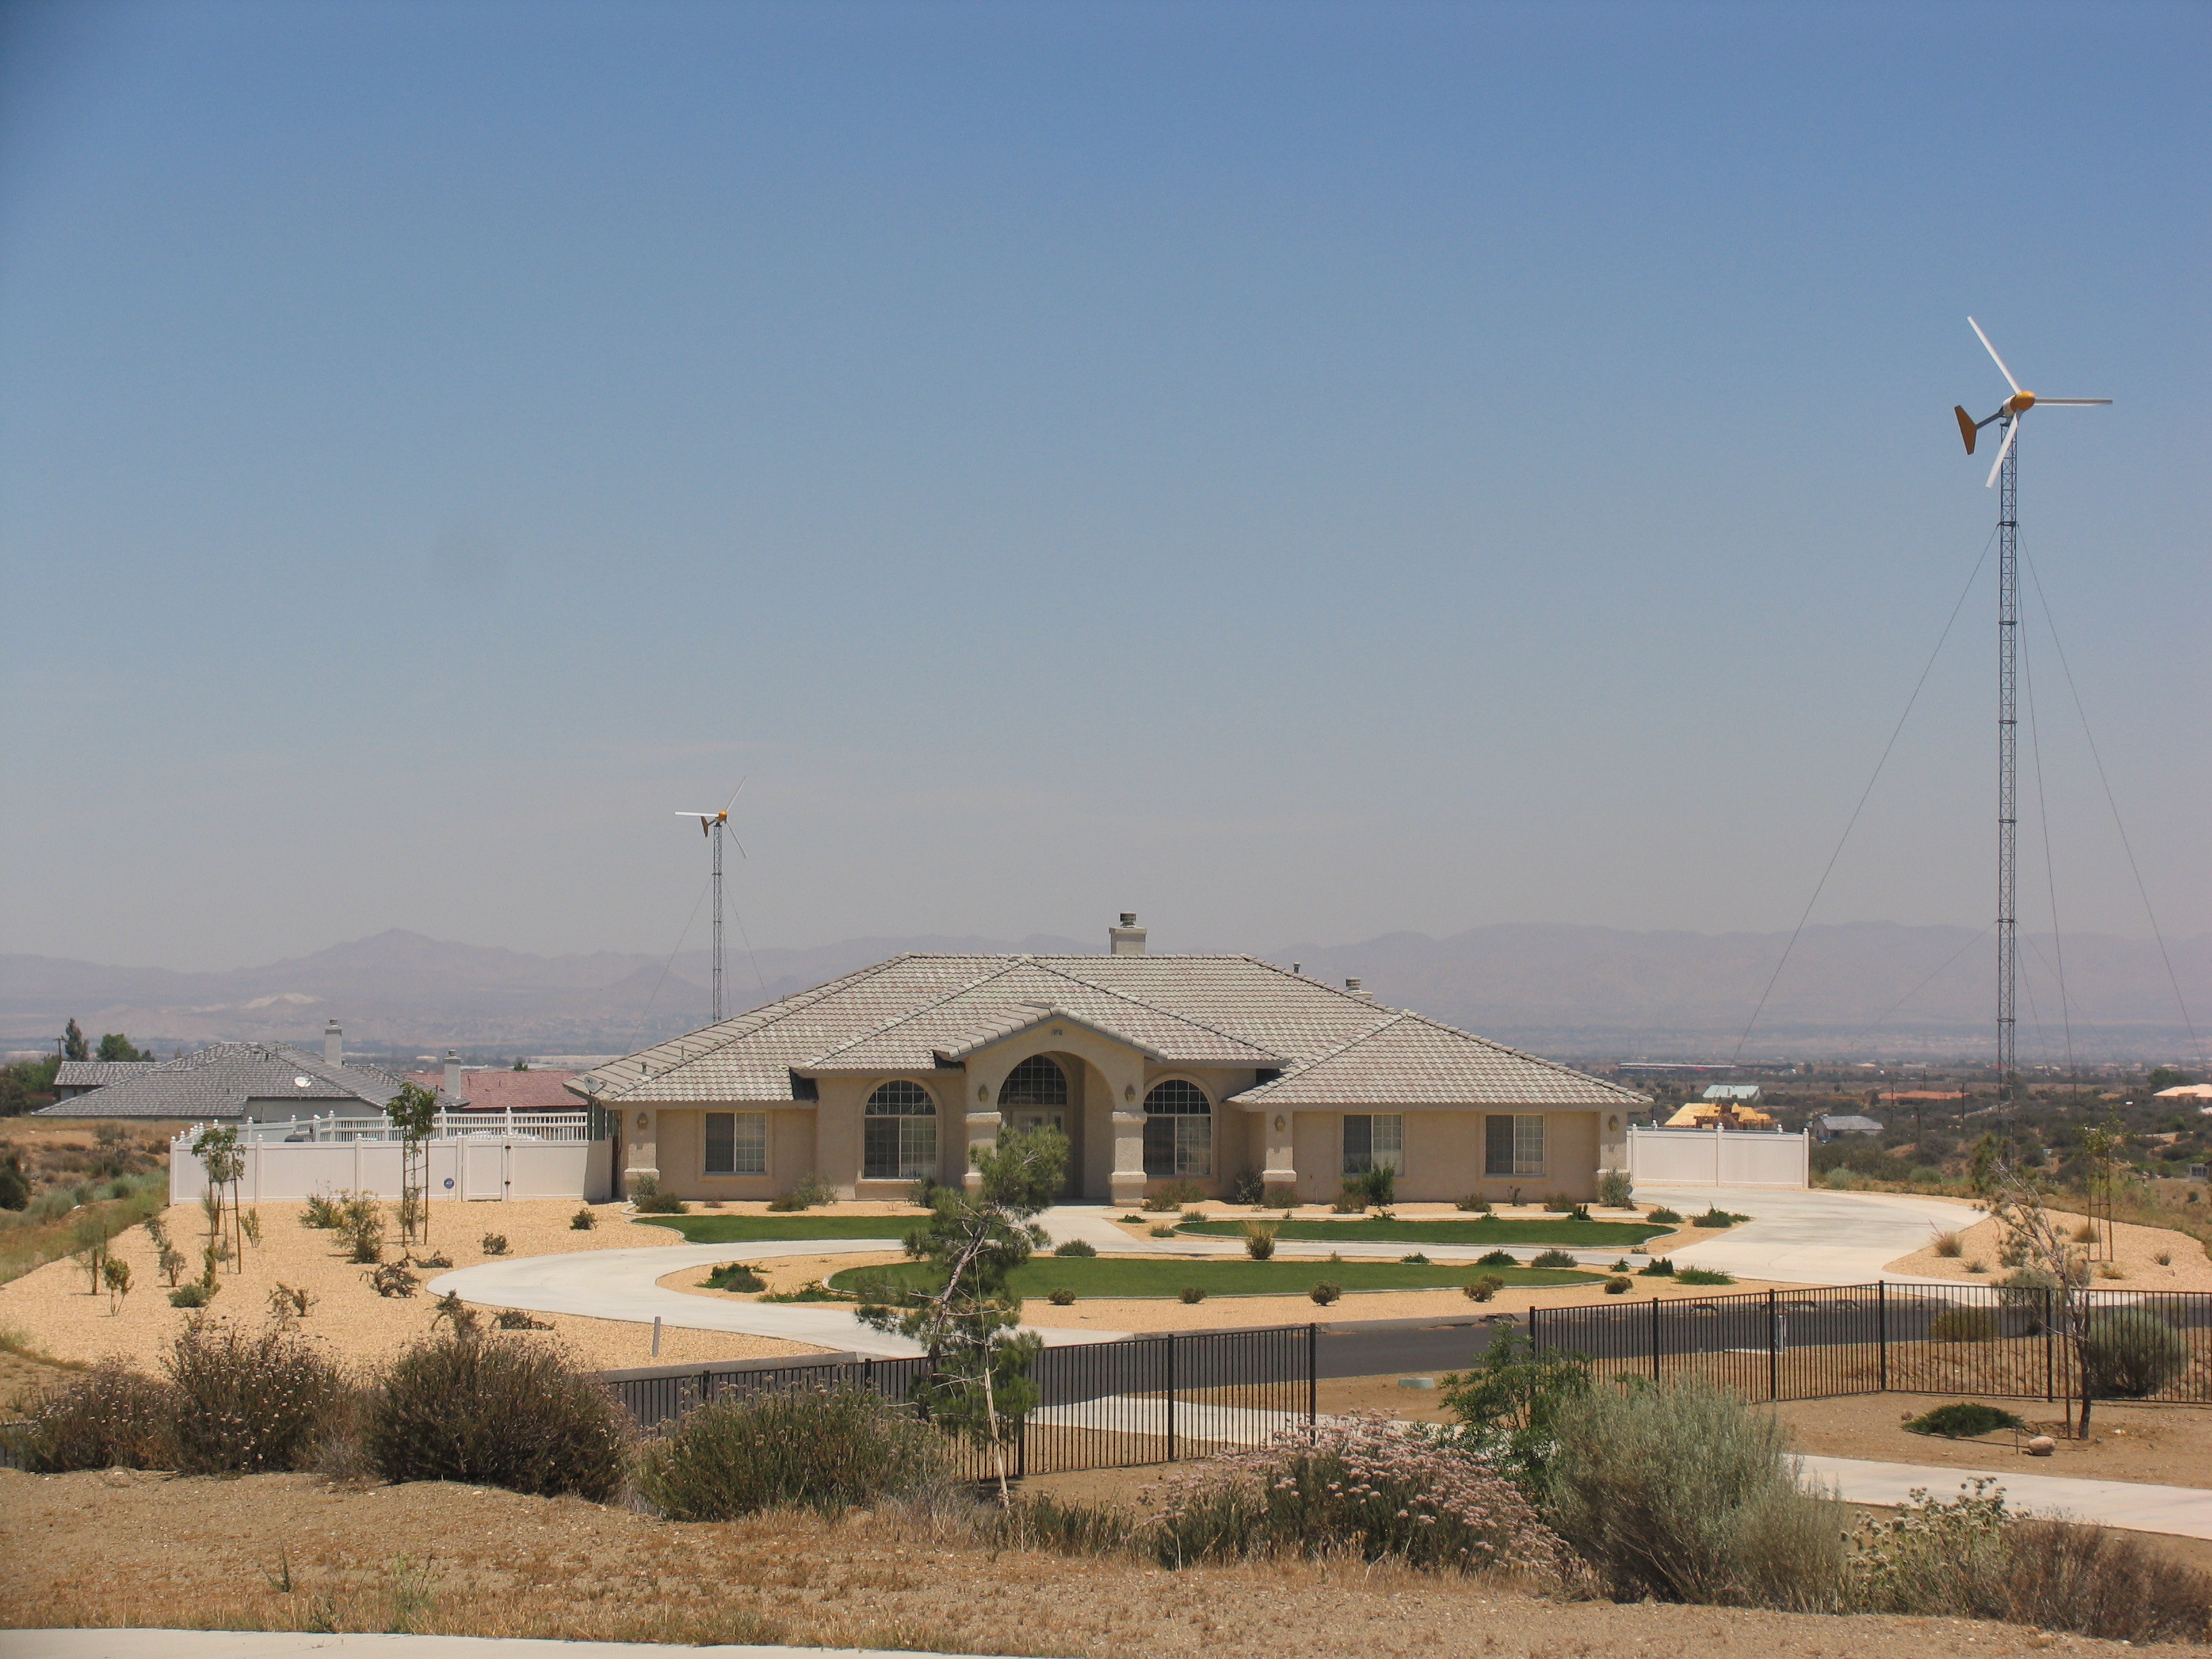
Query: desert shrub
{"points": [[1381, 1184], [1682, 1493], [1193, 1294], [1496, 1258], [1840, 1180], [1415, 1260], [1963, 1420], [450, 1311], [247, 1403], [1285, 1197], [1717, 1217], [1934, 1555], [809, 1192], [1043, 1523], [393, 1278], [647, 1198], [321, 1211], [1162, 1231], [1552, 1259], [825, 1450], [2065, 1576], [1060, 1298], [1074, 1247], [195, 1295], [1617, 1285], [2129, 1353], [437, 1259], [733, 1276], [1483, 1287], [111, 1417], [583, 1221], [494, 1244], [1615, 1189], [1475, 1204], [1963, 1325], [1259, 1239], [1174, 1195], [1925, 1175], [513, 1319], [292, 1302], [1326, 1291], [1948, 1246], [1351, 1199], [1559, 1204], [495, 1412], [360, 1223], [1357, 1487], [1503, 1405], [1671, 1217], [1248, 1189], [1703, 1276]]}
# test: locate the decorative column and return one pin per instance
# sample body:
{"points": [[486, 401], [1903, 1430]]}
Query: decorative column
{"points": [[1127, 1183], [1282, 1169], [643, 1146], [1613, 1141], [982, 1133]]}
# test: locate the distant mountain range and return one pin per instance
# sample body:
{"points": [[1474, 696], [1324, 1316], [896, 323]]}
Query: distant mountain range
{"points": [[1864, 990]]}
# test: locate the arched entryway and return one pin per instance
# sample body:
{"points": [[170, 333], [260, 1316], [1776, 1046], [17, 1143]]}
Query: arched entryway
{"points": [[1037, 1094]]}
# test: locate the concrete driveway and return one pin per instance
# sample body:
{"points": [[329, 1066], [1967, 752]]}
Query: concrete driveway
{"points": [[620, 1284], [1816, 1237]]}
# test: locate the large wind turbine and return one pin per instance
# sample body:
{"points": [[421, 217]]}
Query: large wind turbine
{"points": [[713, 825], [2009, 414]]}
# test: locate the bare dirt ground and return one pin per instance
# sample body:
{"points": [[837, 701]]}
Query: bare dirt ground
{"points": [[2135, 1251], [52, 1310], [292, 1551]]}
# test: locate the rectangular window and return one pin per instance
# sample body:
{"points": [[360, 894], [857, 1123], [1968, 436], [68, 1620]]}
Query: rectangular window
{"points": [[737, 1143], [1373, 1140], [1514, 1145]]}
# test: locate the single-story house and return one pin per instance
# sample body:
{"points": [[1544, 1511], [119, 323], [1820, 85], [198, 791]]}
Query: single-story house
{"points": [[230, 1082], [495, 1088], [73, 1077], [1160, 1069], [1829, 1125]]}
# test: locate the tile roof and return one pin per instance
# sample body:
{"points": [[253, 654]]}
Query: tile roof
{"points": [[916, 1012], [484, 1088], [218, 1081], [98, 1073]]}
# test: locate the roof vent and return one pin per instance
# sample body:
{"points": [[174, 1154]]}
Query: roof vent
{"points": [[1353, 985], [1128, 939]]}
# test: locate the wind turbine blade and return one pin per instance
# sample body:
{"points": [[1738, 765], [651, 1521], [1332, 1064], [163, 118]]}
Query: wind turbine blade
{"points": [[734, 794], [740, 846], [2073, 403], [1992, 351], [2003, 450]]}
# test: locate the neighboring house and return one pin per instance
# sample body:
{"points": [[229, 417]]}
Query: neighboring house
{"points": [[1719, 1114], [488, 1089], [1739, 1094], [1159, 1069], [1829, 1125], [75, 1078], [2200, 1093], [261, 1082]]}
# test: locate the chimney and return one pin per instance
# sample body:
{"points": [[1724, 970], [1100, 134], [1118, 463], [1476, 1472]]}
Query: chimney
{"points": [[333, 1045], [453, 1075], [1128, 939], [1353, 985]]}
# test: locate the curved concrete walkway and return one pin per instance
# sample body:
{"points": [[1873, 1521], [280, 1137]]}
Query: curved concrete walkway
{"points": [[2132, 1505], [1814, 1236], [621, 1285]]}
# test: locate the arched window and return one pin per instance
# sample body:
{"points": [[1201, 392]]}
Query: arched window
{"points": [[1037, 1081], [1178, 1131], [899, 1136]]}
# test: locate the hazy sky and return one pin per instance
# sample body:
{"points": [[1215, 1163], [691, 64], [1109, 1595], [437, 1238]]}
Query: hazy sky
{"points": [[1292, 470]]}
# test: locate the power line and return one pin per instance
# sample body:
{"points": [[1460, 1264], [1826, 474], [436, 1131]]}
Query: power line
{"points": [[1924, 669]]}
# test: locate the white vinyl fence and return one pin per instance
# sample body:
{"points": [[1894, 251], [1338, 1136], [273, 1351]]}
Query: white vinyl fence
{"points": [[497, 1161], [1719, 1157]]}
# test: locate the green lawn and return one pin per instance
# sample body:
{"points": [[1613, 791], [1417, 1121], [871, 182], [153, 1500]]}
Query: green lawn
{"points": [[1558, 1230], [713, 1229], [1112, 1276]]}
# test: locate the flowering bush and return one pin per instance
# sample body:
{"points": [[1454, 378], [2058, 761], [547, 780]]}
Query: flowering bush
{"points": [[1361, 1486]]}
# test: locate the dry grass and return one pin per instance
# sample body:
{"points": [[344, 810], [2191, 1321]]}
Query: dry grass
{"points": [[2146, 1258], [293, 1553]]}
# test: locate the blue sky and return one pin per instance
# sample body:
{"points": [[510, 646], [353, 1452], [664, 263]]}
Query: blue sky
{"points": [[1295, 471]]}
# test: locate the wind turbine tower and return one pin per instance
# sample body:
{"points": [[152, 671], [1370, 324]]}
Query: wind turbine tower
{"points": [[2008, 416], [714, 825]]}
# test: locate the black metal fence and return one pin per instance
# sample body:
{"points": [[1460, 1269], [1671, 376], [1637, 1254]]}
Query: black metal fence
{"points": [[1101, 1405], [1872, 1339]]}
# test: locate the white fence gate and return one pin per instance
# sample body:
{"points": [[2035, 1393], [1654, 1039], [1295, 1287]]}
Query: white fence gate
{"points": [[484, 1166], [1719, 1157]]}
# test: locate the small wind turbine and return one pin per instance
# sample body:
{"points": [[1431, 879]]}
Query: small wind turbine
{"points": [[712, 826], [2007, 465]]}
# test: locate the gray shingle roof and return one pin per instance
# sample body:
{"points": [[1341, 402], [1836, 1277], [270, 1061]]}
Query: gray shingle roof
{"points": [[98, 1073], [216, 1083], [913, 1013]]}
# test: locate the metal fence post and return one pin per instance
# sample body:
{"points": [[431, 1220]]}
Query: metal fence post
{"points": [[1313, 1374], [1655, 1338], [1774, 1349], [1881, 1327], [2050, 1341], [1170, 1392]]}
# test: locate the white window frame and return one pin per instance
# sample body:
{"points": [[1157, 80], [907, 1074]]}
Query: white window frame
{"points": [[1529, 1144], [917, 1136], [1192, 1139], [748, 1144]]}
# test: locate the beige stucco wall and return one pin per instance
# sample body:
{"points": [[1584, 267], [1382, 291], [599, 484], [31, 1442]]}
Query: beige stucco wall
{"points": [[681, 1140], [1444, 1155]]}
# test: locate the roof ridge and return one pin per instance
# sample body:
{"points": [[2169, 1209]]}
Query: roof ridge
{"points": [[1518, 1054], [1005, 965], [1395, 1015], [1165, 1014]]}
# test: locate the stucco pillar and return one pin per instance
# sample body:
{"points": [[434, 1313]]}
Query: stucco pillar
{"points": [[982, 1133], [1282, 1170], [641, 1146], [1612, 1140], [1127, 1183]]}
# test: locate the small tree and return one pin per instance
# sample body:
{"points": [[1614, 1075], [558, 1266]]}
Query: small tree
{"points": [[979, 1385], [74, 1046], [116, 1046], [413, 1113], [115, 1271], [2034, 1239], [220, 1155]]}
